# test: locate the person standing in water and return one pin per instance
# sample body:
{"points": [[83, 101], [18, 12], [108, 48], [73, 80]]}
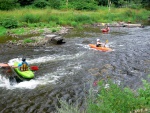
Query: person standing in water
{"points": [[107, 28]]}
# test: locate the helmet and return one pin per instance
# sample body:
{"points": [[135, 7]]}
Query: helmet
{"points": [[23, 59], [98, 40]]}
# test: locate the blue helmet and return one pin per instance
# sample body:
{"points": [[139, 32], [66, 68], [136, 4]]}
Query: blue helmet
{"points": [[23, 59]]}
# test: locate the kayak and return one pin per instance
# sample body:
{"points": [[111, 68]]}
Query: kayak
{"points": [[104, 30], [23, 74], [104, 49]]}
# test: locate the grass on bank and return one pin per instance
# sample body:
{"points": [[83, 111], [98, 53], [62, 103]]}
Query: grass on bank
{"points": [[48, 18], [2, 31], [113, 99]]}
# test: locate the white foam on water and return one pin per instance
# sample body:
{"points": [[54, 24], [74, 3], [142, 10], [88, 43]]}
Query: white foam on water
{"points": [[48, 78], [11, 62], [26, 84], [54, 58], [83, 45], [47, 58], [4, 82], [120, 45]]}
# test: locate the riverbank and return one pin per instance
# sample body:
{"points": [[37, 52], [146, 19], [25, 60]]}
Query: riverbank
{"points": [[37, 36], [26, 23], [50, 18]]}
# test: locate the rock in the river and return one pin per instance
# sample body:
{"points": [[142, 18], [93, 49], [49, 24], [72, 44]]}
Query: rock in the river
{"points": [[54, 39]]}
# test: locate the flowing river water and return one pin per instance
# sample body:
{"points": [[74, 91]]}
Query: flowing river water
{"points": [[66, 71]]}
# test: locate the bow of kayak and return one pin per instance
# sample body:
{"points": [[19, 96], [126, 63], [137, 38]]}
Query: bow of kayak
{"points": [[104, 49]]}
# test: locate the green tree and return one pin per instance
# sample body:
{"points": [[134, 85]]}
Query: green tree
{"points": [[102, 2], [146, 3], [25, 2], [8, 4], [83, 4], [55, 3], [41, 3]]}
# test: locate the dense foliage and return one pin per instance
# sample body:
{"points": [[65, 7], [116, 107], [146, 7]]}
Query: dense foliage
{"points": [[73, 4], [8, 4], [48, 17], [112, 98], [9, 23], [116, 99]]}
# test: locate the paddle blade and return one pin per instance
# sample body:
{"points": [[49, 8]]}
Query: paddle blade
{"points": [[4, 65], [106, 41], [34, 68]]}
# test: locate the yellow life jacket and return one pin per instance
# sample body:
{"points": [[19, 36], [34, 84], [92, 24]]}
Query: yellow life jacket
{"points": [[24, 67]]}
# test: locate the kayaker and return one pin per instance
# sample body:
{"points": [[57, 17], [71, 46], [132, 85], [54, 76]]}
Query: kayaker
{"points": [[98, 43], [107, 28], [23, 65]]}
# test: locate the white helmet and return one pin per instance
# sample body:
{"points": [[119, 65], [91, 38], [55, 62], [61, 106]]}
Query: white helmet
{"points": [[98, 40]]}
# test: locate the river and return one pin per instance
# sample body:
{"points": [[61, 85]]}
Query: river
{"points": [[66, 71]]}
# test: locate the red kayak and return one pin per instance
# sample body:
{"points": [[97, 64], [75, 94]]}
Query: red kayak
{"points": [[105, 30], [104, 49]]}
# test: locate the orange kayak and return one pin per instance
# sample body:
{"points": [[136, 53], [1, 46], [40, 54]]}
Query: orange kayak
{"points": [[104, 49]]}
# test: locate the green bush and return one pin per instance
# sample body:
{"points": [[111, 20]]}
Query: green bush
{"points": [[40, 3], [56, 4], [3, 31], [115, 99], [54, 30], [28, 40], [53, 18], [74, 24], [29, 18], [9, 23], [85, 5], [82, 19], [8, 4], [144, 93], [129, 13]]}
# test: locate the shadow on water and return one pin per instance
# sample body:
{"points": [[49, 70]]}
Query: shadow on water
{"points": [[66, 71]]}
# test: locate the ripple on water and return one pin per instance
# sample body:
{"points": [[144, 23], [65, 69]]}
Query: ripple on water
{"points": [[66, 70]]}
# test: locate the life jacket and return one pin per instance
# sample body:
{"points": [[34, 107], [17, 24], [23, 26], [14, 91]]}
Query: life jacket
{"points": [[24, 67]]}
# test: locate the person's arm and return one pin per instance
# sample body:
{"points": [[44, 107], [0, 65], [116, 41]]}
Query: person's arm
{"points": [[27, 64], [19, 65], [14, 66]]}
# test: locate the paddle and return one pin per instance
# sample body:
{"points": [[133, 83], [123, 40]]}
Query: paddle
{"points": [[33, 68], [106, 42], [4, 65]]}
